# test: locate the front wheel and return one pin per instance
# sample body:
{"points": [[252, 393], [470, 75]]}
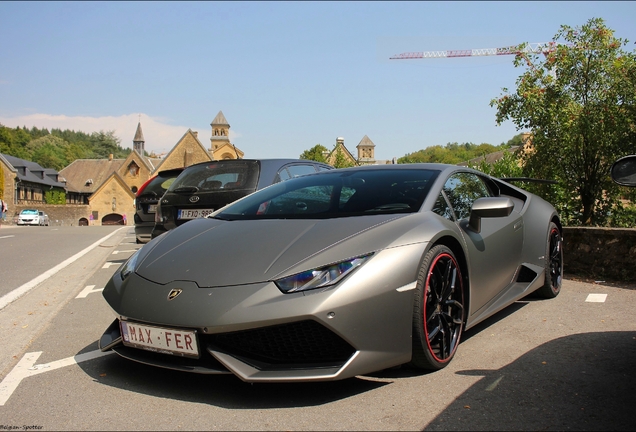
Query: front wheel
{"points": [[553, 264], [438, 311]]}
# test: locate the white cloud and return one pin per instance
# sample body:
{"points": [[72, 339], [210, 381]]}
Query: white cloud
{"points": [[159, 136]]}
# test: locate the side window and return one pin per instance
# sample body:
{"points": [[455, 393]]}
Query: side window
{"points": [[442, 208], [462, 189], [283, 175], [345, 194], [300, 170], [309, 200]]}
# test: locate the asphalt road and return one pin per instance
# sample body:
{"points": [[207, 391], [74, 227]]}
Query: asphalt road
{"points": [[561, 364], [28, 251]]}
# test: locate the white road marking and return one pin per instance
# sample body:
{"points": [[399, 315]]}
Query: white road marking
{"points": [[107, 264], [9, 236], [26, 367], [20, 291], [494, 385], [88, 290], [596, 298], [123, 251]]}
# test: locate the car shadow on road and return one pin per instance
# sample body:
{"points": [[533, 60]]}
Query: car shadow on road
{"points": [[230, 392], [579, 382], [226, 391]]}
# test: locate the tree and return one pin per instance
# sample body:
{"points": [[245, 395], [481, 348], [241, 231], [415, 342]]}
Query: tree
{"points": [[106, 143], [452, 153], [340, 160], [579, 104], [316, 153], [508, 166]]}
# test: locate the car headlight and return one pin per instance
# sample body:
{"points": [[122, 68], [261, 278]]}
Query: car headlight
{"points": [[129, 266], [320, 277]]}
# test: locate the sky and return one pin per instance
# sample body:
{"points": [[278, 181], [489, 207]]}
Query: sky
{"points": [[286, 75]]}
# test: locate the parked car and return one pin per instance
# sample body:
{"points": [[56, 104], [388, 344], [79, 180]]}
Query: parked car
{"points": [[44, 218], [31, 217], [205, 187], [146, 201], [336, 274]]}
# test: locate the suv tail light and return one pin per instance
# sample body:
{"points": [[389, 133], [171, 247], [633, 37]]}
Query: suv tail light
{"points": [[143, 186]]}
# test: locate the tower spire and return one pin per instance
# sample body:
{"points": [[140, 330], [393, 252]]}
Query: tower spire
{"points": [[138, 140], [220, 132]]}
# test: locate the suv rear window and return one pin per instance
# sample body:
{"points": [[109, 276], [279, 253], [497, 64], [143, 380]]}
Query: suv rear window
{"points": [[237, 174], [160, 184]]}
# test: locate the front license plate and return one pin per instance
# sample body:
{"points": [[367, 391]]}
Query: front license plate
{"points": [[159, 339], [193, 213], [152, 208]]}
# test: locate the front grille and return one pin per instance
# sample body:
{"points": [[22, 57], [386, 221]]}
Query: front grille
{"points": [[301, 344]]}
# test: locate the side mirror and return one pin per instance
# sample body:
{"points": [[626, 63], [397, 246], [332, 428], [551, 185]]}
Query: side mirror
{"points": [[489, 208], [624, 171]]}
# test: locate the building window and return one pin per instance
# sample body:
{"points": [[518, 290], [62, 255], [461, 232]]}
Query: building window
{"points": [[133, 169]]}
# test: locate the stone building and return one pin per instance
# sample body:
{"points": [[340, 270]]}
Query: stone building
{"points": [[366, 153], [107, 186], [26, 183]]}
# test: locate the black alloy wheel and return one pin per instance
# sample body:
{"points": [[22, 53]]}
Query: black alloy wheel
{"points": [[438, 312], [553, 264]]}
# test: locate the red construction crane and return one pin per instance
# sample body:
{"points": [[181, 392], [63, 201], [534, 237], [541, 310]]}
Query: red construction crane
{"points": [[540, 47]]}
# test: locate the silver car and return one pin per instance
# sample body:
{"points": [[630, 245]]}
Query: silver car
{"points": [[44, 218], [336, 274]]}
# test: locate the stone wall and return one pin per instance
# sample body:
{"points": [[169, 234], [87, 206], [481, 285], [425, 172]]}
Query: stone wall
{"points": [[59, 215], [600, 253]]}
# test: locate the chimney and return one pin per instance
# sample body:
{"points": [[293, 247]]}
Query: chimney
{"points": [[110, 157], [196, 134]]}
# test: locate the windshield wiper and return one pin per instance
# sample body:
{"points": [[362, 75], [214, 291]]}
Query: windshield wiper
{"points": [[186, 189]]}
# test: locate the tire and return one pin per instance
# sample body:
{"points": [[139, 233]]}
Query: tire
{"points": [[438, 310], [553, 264]]}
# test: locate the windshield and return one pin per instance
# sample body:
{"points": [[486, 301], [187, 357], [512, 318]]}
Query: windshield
{"points": [[337, 194], [29, 212], [219, 175]]}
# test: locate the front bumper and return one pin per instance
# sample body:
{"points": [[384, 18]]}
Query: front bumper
{"points": [[259, 334], [28, 222]]}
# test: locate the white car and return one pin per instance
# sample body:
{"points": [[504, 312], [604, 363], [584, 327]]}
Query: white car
{"points": [[32, 217]]}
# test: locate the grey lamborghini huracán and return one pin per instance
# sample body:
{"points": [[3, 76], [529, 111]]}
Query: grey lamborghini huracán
{"points": [[336, 274]]}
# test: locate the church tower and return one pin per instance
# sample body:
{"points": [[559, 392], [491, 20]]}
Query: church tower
{"points": [[220, 132], [366, 151], [138, 140]]}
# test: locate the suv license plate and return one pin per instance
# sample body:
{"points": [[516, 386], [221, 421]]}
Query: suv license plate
{"points": [[159, 339], [194, 213]]}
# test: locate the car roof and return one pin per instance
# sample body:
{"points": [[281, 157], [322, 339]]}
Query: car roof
{"points": [[269, 166]]}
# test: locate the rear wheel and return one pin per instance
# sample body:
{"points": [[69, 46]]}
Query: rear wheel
{"points": [[438, 312], [553, 264]]}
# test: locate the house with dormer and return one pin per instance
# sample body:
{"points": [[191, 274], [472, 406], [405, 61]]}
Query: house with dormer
{"points": [[24, 182]]}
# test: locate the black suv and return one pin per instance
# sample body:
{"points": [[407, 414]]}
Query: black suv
{"points": [[208, 186], [146, 201]]}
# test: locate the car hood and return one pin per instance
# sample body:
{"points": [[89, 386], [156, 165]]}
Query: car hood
{"points": [[216, 253]]}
